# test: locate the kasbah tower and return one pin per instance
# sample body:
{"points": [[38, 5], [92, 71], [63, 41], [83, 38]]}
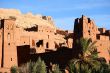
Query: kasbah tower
{"points": [[18, 44], [85, 28]]}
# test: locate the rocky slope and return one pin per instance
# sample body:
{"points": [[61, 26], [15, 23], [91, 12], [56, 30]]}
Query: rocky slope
{"points": [[26, 20]]}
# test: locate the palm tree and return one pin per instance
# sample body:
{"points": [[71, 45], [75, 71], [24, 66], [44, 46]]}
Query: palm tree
{"points": [[86, 63], [86, 47]]}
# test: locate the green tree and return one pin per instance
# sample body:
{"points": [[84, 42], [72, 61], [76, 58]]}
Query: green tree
{"points": [[13, 69], [33, 67], [86, 63], [87, 48], [39, 67]]}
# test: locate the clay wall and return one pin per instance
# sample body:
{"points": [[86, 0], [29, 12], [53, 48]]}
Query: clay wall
{"points": [[103, 37], [1, 38], [9, 52], [44, 33], [40, 38], [103, 47], [89, 28]]}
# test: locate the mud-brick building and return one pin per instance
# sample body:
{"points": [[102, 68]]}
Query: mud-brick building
{"points": [[17, 43], [86, 28]]}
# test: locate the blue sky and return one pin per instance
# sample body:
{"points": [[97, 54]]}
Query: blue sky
{"points": [[65, 11]]}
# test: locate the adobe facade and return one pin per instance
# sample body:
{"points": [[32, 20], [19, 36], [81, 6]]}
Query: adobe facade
{"points": [[85, 28], [17, 43], [26, 34]]}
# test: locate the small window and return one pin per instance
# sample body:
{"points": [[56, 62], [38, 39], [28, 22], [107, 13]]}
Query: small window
{"points": [[8, 43], [33, 43], [89, 31], [40, 42], [8, 37], [11, 59], [47, 45]]}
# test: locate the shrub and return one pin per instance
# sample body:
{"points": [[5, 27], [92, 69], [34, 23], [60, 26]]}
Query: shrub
{"points": [[33, 67], [13, 69]]}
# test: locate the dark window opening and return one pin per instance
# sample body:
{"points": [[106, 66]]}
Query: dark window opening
{"points": [[8, 43], [40, 42], [55, 33], [47, 45], [33, 43], [89, 20], [8, 38], [11, 59], [34, 28], [89, 32], [98, 37]]}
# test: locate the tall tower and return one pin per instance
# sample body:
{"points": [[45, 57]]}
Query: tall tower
{"points": [[85, 28], [9, 56]]}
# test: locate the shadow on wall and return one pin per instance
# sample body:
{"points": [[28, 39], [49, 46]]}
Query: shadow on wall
{"points": [[23, 54], [62, 56]]}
